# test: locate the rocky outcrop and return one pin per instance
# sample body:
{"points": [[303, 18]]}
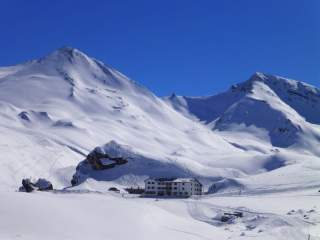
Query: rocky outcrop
{"points": [[40, 185], [117, 162], [101, 158], [43, 185], [101, 161]]}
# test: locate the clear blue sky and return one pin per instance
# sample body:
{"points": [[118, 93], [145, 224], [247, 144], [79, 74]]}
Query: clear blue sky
{"points": [[187, 47]]}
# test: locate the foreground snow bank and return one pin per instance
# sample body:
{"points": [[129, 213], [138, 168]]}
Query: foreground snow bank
{"points": [[81, 215], [94, 216]]}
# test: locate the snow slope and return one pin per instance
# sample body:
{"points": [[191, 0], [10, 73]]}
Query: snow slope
{"points": [[97, 216], [287, 110], [259, 139], [55, 110], [300, 96]]}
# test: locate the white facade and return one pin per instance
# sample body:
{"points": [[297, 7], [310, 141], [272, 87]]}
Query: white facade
{"points": [[174, 187]]}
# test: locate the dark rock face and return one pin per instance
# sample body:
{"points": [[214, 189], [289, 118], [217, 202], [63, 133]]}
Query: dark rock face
{"points": [[40, 185], [27, 185], [95, 158], [24, 116], [98, 160], [43, 185]]}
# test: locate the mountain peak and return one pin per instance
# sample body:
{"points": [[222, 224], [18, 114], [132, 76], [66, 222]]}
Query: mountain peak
{"points": [[63, 54], [173, 96], [66, 49], [258, 76], [273, 79], [70, 51]]}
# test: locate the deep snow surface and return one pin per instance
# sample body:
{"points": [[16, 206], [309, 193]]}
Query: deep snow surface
{"points": [[260, 138], [62, 215]]}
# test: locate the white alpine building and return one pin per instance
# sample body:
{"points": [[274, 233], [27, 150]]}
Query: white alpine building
{"points": [[175, 187]]}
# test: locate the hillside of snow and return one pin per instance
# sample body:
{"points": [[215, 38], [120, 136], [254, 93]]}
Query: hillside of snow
{"points": [[286, 110], [300, 96], [73, 120], [57, 109]]}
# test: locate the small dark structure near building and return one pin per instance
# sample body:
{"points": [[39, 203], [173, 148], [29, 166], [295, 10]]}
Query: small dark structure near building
{"points": [[137, 190], [40, 185], [226, 217], [114, 189]]}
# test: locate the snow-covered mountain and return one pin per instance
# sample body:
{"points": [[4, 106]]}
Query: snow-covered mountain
{"points": [[56, 110], [287, 110], [69, 117]]}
